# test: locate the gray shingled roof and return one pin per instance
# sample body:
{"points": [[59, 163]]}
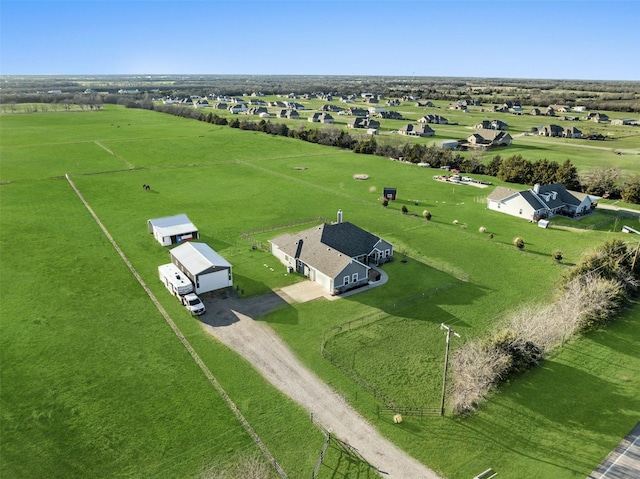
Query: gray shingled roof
{"points": [[327, 248]]}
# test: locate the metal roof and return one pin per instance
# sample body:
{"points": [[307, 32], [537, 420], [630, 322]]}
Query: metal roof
{"points": [[198, 257], [173, 225]]}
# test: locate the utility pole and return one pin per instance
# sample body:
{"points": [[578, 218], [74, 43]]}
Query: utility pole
{"points": [[446, 364]]}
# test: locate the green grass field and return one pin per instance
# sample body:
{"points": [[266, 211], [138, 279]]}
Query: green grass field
{"points": [[94, 383]]}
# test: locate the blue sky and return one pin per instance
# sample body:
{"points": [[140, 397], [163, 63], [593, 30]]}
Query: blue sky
{"points": [[559, 39]]}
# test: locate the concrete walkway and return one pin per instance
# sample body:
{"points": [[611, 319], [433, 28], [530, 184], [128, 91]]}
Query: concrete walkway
{"points": [[309, 290]]}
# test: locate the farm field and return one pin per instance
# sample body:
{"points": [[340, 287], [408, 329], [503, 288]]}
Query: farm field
{"points": [[89, 318]]}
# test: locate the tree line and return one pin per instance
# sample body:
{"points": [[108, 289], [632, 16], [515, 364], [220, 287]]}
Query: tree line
{"points": [[605, 182], [590, 295]]}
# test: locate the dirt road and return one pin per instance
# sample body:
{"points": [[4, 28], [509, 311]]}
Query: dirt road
{"points": [[231, 321]]}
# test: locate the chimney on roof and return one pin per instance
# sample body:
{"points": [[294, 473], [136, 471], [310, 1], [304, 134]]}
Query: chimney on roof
{"points": [[339, 216], [536, 188]]}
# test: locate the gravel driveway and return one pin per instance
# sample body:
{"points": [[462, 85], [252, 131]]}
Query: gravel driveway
{"points": [[230, 320]]}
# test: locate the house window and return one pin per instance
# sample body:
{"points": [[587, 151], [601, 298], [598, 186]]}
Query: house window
{"points": [[387, 253], [520, 210], [354, 278], [345, 281], [286, 258]]}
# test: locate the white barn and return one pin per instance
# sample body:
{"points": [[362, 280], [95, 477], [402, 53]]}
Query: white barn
{"points": [[207, 270], [172, 229]]}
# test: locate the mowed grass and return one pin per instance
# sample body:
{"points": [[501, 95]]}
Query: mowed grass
{"points": [[236, 189]]}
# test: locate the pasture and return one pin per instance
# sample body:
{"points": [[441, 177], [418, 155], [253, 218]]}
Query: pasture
{"points": [[91, 372]]}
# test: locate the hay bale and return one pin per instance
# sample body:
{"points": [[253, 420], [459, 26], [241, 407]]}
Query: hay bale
{"points": [[361, 176], [397, 418]]}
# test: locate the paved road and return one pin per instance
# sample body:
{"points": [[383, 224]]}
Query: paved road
{"points": [[231, 321], [624, 460]]}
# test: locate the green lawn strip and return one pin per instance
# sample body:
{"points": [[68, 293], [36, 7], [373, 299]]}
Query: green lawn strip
{"points": [[94, 382]]}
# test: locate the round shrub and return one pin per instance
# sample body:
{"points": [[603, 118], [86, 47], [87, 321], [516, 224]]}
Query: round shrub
{"points": [[518, 243]]}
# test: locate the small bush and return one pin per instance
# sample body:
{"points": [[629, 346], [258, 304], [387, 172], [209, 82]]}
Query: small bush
{"points": [[427, 215], [557, 255], [518, 243], [404, 209], [385, 203]]}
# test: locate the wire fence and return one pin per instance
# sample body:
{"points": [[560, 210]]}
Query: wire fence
{"points": [[383, 313]]}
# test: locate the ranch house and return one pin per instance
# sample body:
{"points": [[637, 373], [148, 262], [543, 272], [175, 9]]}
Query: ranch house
{"points": [[541, 202], [337, 256]]}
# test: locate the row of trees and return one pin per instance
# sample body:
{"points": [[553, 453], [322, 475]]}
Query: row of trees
{"points": [[605, 182], [591, 294]]}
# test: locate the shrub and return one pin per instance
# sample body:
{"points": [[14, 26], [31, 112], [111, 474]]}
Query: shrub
{"points": [[476, 369], [427, 215], [557, 255], [404, 209], [385, 203], [518, 243]]}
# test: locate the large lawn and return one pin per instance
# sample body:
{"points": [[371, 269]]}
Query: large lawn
{"points": [[91, 372]]}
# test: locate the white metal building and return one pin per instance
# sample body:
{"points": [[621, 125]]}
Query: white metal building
{"points": [[172, 229], [207, 270]]}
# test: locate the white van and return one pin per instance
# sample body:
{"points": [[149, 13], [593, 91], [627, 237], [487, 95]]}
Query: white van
{"points": [[175, 280], [193, 304]]}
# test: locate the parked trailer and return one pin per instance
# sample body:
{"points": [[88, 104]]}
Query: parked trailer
{"points": [[174, 280], [181, 287]]}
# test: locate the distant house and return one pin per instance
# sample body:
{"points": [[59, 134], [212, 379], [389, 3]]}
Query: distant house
{"points": [[561, 108], [551, 130], [425, 103], [337, 256], [314, 118], [220, 106], [437, 119], [172, 229], [373, 110], [207, 270], [290, 114], [572, 132], [325, 118], [558, 131], [202, 103], [238, 108], [357, 112], [390, 115], [331, 108], [625, 121], [492, 125], [485, 138], [416, 130], [535, 112], [257, 110], [596, 117], [366, 123], [541, 202]]}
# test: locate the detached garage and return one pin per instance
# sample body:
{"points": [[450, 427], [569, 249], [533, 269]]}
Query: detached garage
{"points": [[172, 229], [206, 269]]}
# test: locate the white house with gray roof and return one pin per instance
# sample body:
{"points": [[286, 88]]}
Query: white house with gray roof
{"points": [[541, 202], [337, 256]]}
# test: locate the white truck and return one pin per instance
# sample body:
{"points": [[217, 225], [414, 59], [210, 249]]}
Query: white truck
{"points": [[181, 287]]}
